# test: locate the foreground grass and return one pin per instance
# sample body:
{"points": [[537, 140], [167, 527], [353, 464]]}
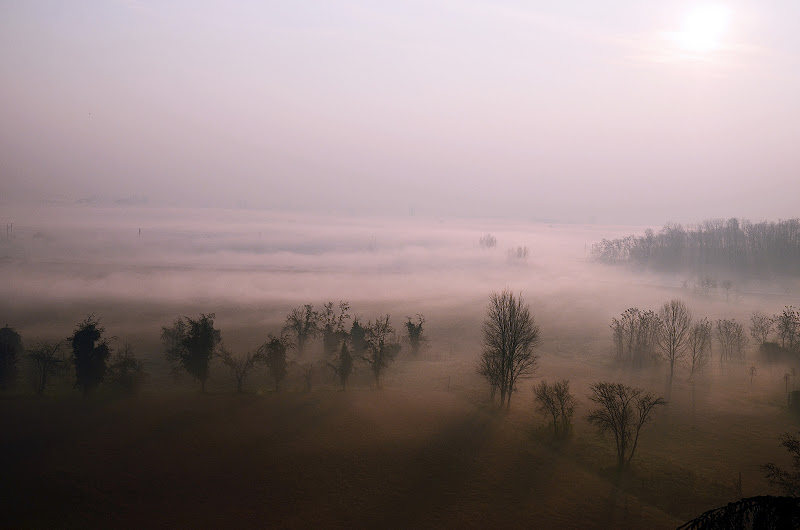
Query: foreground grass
{"points": [[327, 459]]}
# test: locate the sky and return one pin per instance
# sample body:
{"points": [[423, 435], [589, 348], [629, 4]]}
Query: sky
{"points": [[576, 111]]}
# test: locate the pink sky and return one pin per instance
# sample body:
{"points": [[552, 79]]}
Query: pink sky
{"points": [[579, 112]]}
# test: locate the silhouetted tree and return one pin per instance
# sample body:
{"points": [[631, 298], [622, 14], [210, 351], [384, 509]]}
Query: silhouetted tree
{"points": [[787, 481], [10, 352], [382, 347], [126, 371], [332, 327], [274, 354], [760, 327], [302, 324], [240, 364], [698, 350], [760, 512], [623, 410], [676, 323], [509, 337], [752, 371], [46, 359], [556, 401], [732, 340], [788, 327], [343, 365], [358, 338], [414, 331], [635, 336], [191, 343], [90, 351]]}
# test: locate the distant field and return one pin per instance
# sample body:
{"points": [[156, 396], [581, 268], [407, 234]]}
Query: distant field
{"points": [[425, 451]]}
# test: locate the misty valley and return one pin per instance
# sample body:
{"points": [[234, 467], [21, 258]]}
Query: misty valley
{"points": [[203, 367]]}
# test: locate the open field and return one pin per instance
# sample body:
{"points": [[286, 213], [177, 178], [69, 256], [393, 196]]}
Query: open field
{"points": [[425, 451]]}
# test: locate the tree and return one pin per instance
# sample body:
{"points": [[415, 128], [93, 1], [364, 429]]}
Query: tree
{"points": [[274, 354], [240, 364], [556, 401], [414, 331], [10, 352], [676, 322], [760, 327], [623, 410], [382, 347], [509, 337], [46, 359], [126, 371], [635, 336], [191, 343], [487, 241], [302, 323], [90, 352], [787, 481], [752, 371], [732, 340], [343, 365], [358, 338], [788, 327], [698, 346], [332, 327]]}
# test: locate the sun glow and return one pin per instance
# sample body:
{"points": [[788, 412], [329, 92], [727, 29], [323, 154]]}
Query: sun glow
{"points": [[704, 29]]}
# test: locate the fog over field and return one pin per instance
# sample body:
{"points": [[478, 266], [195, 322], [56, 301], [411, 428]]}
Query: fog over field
{"points": [[408, 265]]}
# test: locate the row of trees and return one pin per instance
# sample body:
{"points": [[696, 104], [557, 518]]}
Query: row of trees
{"points": [[672, 335], [510, 335], [735, 245], [87, 350], [190, 344]]}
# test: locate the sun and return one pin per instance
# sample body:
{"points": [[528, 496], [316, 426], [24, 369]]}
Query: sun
{"points": [[704, 29]]}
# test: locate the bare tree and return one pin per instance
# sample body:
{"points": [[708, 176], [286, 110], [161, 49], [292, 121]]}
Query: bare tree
{"points": [[414, 330], [382, 347], [487, 241], [635, 336], [46, 359], [732, 340], [240, 364], [556, 401], [676, 323], [308, 374], [752, 371], [698, 351], [126, 371], [787, 481], [509, 337], [302, 324], [727, 285], [623, 410], [760, 327], [332, 327]]}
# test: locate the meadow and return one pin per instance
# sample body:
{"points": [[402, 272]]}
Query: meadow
{"points": [[426, 450]]}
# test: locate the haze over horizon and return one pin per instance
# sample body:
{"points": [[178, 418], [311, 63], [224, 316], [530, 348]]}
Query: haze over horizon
{"points": [[622, 113]]}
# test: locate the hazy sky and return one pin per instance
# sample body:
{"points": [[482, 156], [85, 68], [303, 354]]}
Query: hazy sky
{"points": [[617, 111]]}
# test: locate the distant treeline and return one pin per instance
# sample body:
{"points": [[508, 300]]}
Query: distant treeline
{"points": [[735, 245]]}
